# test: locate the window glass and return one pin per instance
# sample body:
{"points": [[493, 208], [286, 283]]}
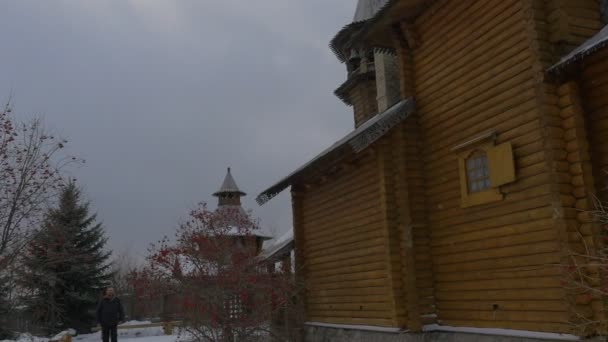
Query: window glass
{"points": [[478, 173]]}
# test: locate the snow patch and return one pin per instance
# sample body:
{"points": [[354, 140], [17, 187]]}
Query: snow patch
{"points": [[69, 332], [129, 323], [502, 332], [27, 337], [151, 334]]}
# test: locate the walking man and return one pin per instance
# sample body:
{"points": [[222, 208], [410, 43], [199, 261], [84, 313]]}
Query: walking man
{"points": [[109, 314]]}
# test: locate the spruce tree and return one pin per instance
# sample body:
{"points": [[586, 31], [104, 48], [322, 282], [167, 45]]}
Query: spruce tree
{"points": [[66, 265]]}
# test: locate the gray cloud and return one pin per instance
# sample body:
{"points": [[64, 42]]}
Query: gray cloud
{"points": [[159, 96]]}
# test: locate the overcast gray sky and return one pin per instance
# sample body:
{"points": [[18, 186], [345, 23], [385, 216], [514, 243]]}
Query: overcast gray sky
{"points": [[160, 96]]}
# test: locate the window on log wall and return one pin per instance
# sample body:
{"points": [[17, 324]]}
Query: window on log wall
{"points": [[484, 167]]}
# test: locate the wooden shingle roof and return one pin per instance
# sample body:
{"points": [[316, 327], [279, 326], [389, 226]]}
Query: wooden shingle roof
{"points": [[229, 186], [384, 14], [366, 9]]}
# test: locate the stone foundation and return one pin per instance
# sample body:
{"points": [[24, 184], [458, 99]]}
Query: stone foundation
{"points": [[329, 334]]}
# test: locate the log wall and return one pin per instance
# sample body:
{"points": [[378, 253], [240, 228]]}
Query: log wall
{"points": [[476, 70], [341, 226], [571, 22], [386, 242]]}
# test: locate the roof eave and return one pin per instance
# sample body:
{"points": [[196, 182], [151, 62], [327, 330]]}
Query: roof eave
{"points": [[337, 44], [343, 90], [589, 47], [565, 64], [275, 254], [238, 192], [353, 143]]}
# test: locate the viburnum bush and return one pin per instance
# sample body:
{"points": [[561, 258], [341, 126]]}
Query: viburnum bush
{"points": [[29, 177], [218, 286], [31, 160]]}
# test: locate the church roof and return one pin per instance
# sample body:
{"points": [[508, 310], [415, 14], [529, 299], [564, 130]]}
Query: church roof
{"points": [[354, 142], [367, 33], [229, 186], [600, 40], [367, 9]]}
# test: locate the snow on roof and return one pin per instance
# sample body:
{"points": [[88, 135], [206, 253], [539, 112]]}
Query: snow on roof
{"points": [[285, 237], [260, 232], [367, 9], [595, 43], [279, 246], [356, 141]]}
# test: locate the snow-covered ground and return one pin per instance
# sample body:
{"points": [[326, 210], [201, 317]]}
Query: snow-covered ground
{"points": [[154, 334], [132, 335]]}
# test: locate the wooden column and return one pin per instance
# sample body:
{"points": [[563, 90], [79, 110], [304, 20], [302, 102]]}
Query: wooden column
{"points": [[414, 231], [405, 63], [583, 233], [550, 125], [394, 261], [412, 228], [564, 152]]}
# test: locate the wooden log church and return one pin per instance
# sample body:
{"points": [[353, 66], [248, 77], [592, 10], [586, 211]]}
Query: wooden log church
{"points": [[464, 192]]}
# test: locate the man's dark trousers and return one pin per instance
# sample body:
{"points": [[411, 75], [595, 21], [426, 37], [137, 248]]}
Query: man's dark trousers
{"points": [[107, 331]]}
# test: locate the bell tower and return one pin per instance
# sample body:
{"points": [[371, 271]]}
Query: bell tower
{"points": [[372, 84]]}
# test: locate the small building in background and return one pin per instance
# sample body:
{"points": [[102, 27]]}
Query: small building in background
{"points": [[279, 254]]}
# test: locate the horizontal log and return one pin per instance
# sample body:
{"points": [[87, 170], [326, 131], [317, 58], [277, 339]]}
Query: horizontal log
{"points": [[548, 256], [506, 294], [485, 305], [352, 321]]}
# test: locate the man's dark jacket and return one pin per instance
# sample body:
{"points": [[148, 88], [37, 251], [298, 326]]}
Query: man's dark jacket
{"points": [[110, 312]]}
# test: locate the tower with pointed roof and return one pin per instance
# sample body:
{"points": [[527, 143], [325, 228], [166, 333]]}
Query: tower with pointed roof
{"points": [[229, 193], [229, 199]]}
